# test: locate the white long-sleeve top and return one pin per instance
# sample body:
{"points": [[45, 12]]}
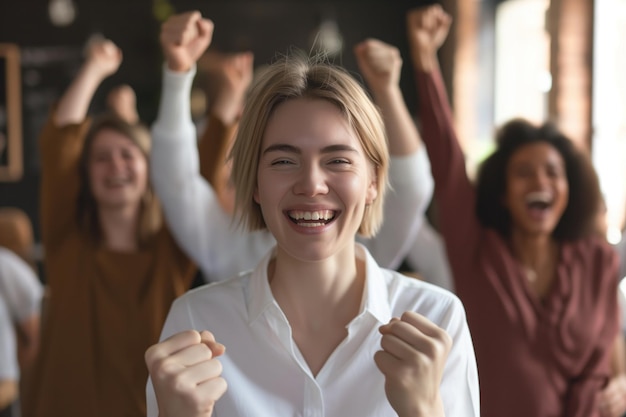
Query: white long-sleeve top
{"points": [[427, 256], [208, 234]]}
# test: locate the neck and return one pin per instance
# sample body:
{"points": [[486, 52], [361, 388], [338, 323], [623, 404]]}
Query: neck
{"points": [[119, 228], [534, 251], [314, 294]]}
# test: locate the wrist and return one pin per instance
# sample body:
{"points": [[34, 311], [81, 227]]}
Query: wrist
{"points": [[227, 113], [426, 62], [425, 409], [179, 67], [387, 94], [93, 72]]}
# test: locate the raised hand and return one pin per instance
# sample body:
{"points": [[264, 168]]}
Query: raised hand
{"points": [[122, 100], [229, 76], [184, 38], [380, 64], [412, 359], [186, 373], [427, 29], [103, 57]]}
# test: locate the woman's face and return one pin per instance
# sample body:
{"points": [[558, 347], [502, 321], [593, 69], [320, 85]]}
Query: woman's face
{"points": [[314, 179], [118, 171], [537, 190]]}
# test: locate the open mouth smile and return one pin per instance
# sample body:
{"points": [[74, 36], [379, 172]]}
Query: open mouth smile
{"points": [[539, 200], [311, 218]]}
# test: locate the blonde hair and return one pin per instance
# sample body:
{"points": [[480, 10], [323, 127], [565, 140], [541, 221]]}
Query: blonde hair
{"points": [[150, 216], [296, 77]]}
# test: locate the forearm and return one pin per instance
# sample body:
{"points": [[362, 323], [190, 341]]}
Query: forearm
{"points": [[213, 149], [74, 104], [402, 134], [188, 201], [618, 356], [425, 61], [8, 393], [405, 204], [454, 193]]}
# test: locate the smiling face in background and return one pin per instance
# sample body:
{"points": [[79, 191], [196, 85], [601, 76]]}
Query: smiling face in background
{"points": [[118, 171], [537, 189], [314, 179]]}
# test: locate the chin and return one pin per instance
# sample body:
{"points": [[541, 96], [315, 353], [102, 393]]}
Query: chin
{"points": [[118, 203], [309, 253]]}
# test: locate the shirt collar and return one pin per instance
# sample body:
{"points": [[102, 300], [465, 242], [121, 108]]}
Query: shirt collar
{"points": [[375, 300], [376, 295]]}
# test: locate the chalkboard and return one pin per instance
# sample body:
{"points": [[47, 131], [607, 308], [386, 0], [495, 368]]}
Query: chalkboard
{"points": [[11, 167]]}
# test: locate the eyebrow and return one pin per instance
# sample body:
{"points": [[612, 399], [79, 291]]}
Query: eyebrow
{"points": [[281, 147]]}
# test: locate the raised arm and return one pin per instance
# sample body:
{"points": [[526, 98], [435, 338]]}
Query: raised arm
{"points": [[61, 141], [229, 77], [103, 60], [427, 30], [190, 204], [410, 178]]}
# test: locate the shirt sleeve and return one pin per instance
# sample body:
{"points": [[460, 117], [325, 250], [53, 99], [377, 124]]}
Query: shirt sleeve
{"points": [[60, 149], [189, 202], [19, 287], [404, 207], [459, 385], [454, 193]]}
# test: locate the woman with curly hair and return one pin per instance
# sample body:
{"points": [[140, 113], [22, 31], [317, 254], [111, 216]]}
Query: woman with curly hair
{"points": [[539, 286]]}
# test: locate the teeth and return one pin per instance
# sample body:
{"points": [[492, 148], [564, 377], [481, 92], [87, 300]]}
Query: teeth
{"points": [[312, 215], [311, 224], [539, 197]]}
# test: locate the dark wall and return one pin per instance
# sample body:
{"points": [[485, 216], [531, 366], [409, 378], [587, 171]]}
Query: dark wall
{"points": [[51, 55]]}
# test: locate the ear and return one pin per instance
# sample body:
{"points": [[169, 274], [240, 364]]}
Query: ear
{"points": [[372, 190], [255, 195]]}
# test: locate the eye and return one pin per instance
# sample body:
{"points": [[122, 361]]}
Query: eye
{"points": [[128, 155], [338, 161], [279, 162], [100, 157], [523, 172], [555, 172]]}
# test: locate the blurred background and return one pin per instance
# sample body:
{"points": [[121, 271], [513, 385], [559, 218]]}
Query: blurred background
{"points": [[559, 60]]}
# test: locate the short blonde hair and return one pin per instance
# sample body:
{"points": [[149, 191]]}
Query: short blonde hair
{"points": [[296, 77]]}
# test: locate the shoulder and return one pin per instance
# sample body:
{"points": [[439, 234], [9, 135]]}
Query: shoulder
{"points": [[216, 294], [437, 304], [598, 260], [594, 249]]}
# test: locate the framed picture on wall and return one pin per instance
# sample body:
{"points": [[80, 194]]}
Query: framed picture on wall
{"points": [[11, 167]]}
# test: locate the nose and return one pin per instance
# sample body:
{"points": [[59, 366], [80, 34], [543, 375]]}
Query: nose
{"points": [[116, 162], [311, 181], [541, 177]]}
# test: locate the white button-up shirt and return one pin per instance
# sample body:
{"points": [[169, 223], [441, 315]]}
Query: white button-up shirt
{"points": [[268, 376]]}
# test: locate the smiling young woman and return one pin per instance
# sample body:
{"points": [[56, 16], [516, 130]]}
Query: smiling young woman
{"points": [[317, 316]]}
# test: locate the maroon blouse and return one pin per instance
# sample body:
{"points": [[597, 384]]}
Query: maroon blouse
{"points": [[535, 358]]}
